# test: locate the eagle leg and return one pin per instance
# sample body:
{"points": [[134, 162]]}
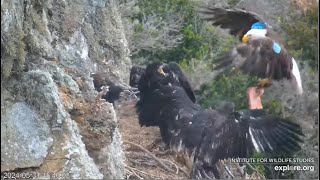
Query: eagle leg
{"points": [[254, 97], [264, 83]]}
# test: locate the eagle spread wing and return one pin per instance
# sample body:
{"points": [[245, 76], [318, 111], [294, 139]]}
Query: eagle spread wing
{"points": [[210, 135], [242, 133], [237, 21]]}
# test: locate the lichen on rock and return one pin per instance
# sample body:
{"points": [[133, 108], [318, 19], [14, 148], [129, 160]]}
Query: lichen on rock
{"points": [[50, 112]]}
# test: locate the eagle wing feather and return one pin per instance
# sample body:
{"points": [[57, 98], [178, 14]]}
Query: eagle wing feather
{"points": [[237, 21]]}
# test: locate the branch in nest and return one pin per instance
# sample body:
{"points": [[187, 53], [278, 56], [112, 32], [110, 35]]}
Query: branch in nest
{"points": [[134, 173], [151, 155], [134, 169], [227, 169], [180, 168], [254, 169], [161, 153], [177, 169], [240, 171]]}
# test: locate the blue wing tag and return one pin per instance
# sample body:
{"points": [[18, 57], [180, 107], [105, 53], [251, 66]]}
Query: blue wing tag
{"points": [[276, 47]]}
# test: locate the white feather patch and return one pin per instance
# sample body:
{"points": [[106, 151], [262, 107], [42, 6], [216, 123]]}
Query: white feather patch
{"points": [[296, 74], [260, 144], [257, 32], [266, 140], [180, 146], [176, 133], [255, 144]]}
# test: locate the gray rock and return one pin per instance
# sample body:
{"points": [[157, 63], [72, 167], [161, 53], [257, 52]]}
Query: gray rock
{"points": [[25, 137], [66, 41], [81, 165], [37, 88]]}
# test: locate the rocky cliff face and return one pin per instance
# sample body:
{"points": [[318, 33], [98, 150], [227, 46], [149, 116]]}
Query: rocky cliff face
{"points": [[52, 119]]}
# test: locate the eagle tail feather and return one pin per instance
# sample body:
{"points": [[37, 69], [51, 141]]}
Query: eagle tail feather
{"points": [[296, 81]]}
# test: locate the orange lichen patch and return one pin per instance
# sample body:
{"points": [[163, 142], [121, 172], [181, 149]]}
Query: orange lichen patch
{"points": [[94, 141], [64, 89], [56, 158], [53, 165], [80, 120], [80, 83], [83, 107], [66, 98], [305, 5], [80, 113]]}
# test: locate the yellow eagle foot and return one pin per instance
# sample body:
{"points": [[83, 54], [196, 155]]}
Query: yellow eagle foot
{"points": [[264, 83]]}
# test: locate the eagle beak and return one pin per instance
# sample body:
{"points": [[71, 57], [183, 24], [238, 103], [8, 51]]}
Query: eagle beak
{"points": [[160, 70], [246, 38]]}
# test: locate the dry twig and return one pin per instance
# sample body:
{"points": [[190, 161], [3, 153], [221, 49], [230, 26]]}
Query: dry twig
{"points": [[132, 168], [254, 169], [177, 169], [134, 173], [151, 155]]}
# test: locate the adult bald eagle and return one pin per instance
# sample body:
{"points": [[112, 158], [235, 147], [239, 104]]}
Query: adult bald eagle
{"points": [[209, 135], [261, 53]]}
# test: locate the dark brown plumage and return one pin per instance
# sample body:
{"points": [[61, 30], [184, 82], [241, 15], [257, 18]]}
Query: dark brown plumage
{"points": [[209, 135], [257, 58], [135, 74]]}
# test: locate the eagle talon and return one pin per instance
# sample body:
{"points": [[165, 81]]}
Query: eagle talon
{"points": [[264, 83]]}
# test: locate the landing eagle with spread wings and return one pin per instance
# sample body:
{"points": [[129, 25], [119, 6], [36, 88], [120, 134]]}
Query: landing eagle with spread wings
{"points": [[261, 53], [209, 135]]}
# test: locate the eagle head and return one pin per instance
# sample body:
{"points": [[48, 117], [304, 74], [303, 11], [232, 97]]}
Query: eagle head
{"points": [[257, 30]]}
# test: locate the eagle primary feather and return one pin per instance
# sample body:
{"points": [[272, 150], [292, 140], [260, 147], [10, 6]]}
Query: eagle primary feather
{"points": [[237, 21], [210, 135]]}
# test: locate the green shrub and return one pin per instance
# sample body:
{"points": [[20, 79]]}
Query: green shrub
{"points": [[302, 36], [231, 86]]}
